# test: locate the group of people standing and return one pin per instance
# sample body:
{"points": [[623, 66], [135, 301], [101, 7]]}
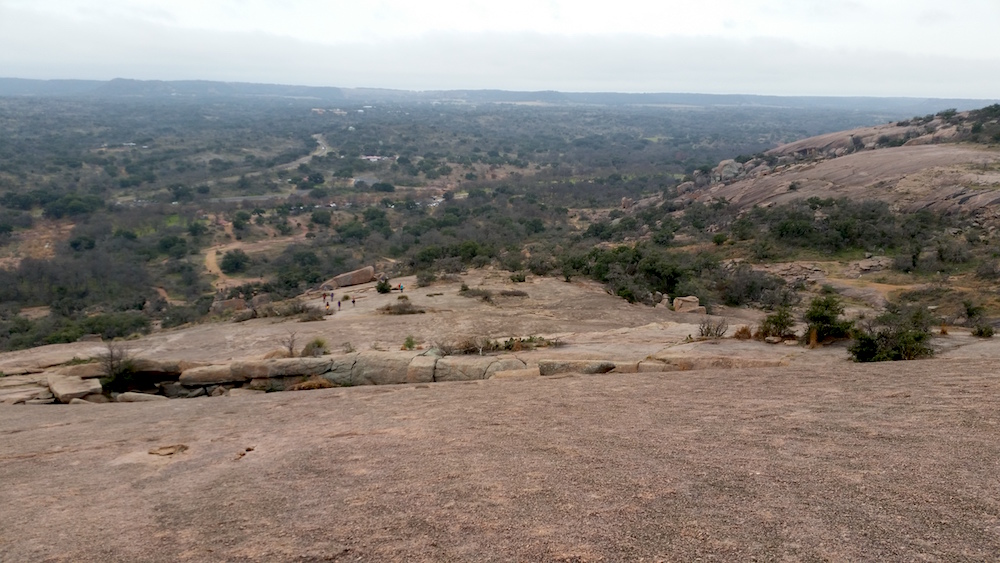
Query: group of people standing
{"points": [[328, 297]]}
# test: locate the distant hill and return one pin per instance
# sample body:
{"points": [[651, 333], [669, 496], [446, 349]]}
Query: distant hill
{"points": [[120, 87]]}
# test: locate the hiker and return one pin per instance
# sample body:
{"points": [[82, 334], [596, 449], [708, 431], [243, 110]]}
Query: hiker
{"points": [[338, 305], [327, 308], [352, 301]]}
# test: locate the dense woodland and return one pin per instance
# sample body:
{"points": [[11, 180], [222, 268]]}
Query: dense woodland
{"points": [[143, 187]]}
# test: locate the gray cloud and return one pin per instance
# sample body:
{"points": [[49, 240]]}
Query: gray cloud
{"points": [[45, 47]]}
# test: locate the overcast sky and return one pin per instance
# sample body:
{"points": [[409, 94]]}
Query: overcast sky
{"points": [[919, 48]]}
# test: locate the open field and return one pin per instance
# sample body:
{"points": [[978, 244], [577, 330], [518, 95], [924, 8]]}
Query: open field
{"points": [[891, 462]]}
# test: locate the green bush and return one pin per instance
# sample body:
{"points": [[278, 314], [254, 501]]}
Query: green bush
{"points": [[898, 334], [383, 286], [778, 323], [823, 316], [983, 330]]}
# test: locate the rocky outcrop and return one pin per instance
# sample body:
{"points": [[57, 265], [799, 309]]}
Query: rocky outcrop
{"points": [[688, 304], [279, 367], [381, 368], [66, 387], [210, 375], [364, 275], [229, 305], [421, 369], [466, 368], [727, 170], [86, 371]]}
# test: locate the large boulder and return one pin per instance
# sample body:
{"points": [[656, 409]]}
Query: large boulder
{"points": [[688, 304], [226, 305], [210, 375], [381, 368], [364, 275], [462, 368], [727, 170], [86, 371], [421, 369], [552, 367], [341, 369], [66, 387]]}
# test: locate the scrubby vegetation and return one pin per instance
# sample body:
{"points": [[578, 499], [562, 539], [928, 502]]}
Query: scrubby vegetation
{"points": [[283, 197]]}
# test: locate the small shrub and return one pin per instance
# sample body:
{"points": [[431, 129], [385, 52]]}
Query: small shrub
{"points": [[425, 278], [713, 328], [897, 334], [383, 286], [312, 314], [778, 323], [347, 347], [983, 330], [745, 332], [518, 277], [401, 308], [719, 239], [483, 294], [403, 298], [409, 343], [315, 347], [513, 293]]}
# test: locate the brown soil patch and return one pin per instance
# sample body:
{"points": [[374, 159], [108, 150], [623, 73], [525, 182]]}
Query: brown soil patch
{"points": [[883, 462]]}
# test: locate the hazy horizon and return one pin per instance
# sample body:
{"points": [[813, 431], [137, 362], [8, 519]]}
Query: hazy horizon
{"points": [[886, 48]]}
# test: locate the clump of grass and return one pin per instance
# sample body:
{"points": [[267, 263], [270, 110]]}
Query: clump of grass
{"points": [[403, 307], [315, 382], [482, 294], [410, 343], [745, 332], [513, 293]]}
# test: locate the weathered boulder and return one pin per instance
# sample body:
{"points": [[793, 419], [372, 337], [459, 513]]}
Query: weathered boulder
{"points": [[279, 367], [462, 368], [160, 368], [552, 367], [210, 375], [226, 305], [727, 170], [341, 369], [421, 369], [503, 364], [97, 398], [381, 368], [173, 389], [86, 371], [133, 397], [80, 402], [364, 275], [262, 299], [66, 388], [688, 304]]}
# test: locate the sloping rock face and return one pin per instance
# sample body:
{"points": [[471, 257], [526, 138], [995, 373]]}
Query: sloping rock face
{"points": [[364, 275], [280, 367], [66, 388]]}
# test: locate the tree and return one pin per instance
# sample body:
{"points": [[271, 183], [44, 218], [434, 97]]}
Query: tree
{"points": [[234, 261], [823, 316]]}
